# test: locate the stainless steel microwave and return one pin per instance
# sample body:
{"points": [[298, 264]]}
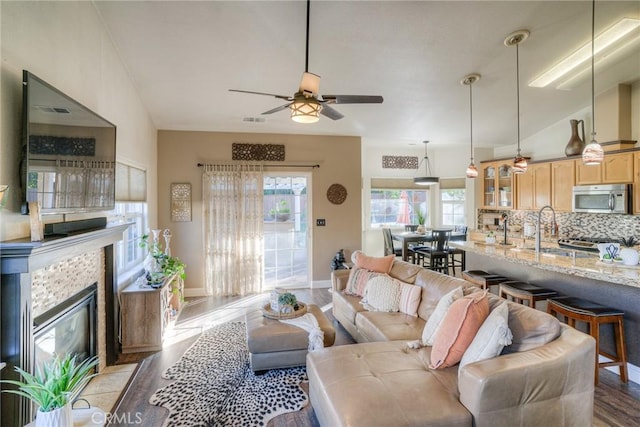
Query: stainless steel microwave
{"points": [[601, 198]]}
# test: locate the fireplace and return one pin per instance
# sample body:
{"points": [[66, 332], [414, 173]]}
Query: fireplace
{"points": [[67, 328], [48, 289]]}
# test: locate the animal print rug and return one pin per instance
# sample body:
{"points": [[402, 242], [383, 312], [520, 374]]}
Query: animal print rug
{"points": [[214, 385]]}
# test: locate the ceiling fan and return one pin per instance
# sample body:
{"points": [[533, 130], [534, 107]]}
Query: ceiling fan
{"points": [[307, 103]]}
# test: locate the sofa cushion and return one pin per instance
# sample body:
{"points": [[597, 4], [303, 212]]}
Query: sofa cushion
{"points": [[377, 264], [347, 305], [382, 294], [409, 298], [383, 384], [530, 328], [438, 314], [492, 337], [435, 285], [405, 271], [457, 330], [358, 278], [379, 326]]}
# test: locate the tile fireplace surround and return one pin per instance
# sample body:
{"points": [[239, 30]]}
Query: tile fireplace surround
{"points": [[37, 276]]}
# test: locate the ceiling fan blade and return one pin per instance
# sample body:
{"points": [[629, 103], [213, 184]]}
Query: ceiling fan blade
{"points": [[275, 110], [332, 113], [352, 99], [288, 98]]}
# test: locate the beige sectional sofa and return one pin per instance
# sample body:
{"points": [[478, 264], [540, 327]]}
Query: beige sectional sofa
{"points": [[545, 377]]}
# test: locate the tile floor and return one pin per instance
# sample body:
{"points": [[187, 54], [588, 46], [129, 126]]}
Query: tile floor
{"points": [[103, 391]]}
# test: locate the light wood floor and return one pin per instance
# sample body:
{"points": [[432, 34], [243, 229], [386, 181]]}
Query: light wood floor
{"points": [[616, 404]]}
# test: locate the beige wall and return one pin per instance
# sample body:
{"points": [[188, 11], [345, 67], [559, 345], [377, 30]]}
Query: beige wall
{"points": [[338, 156], [65, 44]]}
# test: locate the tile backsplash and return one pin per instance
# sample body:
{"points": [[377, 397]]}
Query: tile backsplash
{"points": [[571, 225]]}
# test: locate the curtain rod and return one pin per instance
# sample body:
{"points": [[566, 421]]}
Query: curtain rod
{"points": [[272, 166]]}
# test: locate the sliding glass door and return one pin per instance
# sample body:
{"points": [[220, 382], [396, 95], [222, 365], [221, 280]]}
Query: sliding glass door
{"points": [[286, 230]]}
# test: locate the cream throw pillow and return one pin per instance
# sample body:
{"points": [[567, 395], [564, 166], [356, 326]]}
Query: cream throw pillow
{"points": [[409, 298], [434, 321], [492, 337], [382, 294]]}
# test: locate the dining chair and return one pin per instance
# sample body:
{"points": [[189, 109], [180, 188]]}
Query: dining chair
{"points": [[461, 261], [389, 248], [411, 227], [436, 256]]}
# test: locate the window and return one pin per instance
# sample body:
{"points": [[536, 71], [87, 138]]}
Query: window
{"points": [[398, 207], [452, 201], [129, 255]]}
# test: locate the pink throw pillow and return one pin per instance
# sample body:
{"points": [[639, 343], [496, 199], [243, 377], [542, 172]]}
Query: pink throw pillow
{"points": [[458, 328], [410, 296], [358, 279], [377, 264]]}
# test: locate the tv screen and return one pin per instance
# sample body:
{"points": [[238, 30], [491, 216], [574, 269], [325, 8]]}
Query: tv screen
{"points": [[69, 152]]}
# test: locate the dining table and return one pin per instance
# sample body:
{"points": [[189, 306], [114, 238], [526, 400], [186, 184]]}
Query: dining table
{"points": [[407, 237]]}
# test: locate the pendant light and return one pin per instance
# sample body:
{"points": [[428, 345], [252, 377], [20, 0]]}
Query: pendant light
{"points": [[428, 179], [472, 171], [514, 39], [593, 154]]}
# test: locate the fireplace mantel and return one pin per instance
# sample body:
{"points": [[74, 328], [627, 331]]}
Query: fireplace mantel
{"points": [[18, 260]]}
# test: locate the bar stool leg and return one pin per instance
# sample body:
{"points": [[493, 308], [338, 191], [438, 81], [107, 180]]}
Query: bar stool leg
{"points": [[594, 331], [621, 348]]}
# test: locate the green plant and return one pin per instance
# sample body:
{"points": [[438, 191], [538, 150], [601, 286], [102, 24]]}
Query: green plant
{"points": [[421, 217], [168, 264], [57, 383], [288, 299], [282, 207], [629, 242]]}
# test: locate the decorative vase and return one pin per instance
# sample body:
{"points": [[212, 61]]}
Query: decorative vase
{"points": [[56, 418], [575, 144], [420, 229], [629, 256], [167, 240]]}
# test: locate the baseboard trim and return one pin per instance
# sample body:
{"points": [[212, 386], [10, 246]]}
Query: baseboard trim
{"points": [[194, 292], [633, 372], [320, 284]]}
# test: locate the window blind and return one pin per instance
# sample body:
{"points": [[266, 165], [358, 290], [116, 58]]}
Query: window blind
{"points": [[131, 183]]}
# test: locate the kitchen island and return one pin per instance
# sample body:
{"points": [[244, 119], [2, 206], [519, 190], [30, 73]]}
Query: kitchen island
{"points": [[582, 276]]}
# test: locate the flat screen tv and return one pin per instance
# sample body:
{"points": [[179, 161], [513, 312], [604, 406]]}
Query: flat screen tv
{"points": [[69, 152]]}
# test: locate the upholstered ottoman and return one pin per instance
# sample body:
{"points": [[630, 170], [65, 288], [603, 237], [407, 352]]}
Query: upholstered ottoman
{"points": [[274, 344]]}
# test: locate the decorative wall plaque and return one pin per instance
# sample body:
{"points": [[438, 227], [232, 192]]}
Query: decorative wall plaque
{"points": [[337, 194], [269, 152], [62, 145], [180, 202], [399, 162]]}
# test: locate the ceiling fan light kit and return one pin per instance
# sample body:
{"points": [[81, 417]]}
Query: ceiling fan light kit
{"points": [[472, 171], [514, 39], [307, 104], [428, 179], [593, 153]]}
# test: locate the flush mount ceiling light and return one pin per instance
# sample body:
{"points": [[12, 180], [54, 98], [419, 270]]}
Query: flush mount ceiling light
{"points": [[593, 154], [472, 171], [605, 40], [428, 179], [514, 39]]}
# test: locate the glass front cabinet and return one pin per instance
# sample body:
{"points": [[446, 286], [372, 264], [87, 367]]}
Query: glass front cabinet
{"points": [[497, 185]]}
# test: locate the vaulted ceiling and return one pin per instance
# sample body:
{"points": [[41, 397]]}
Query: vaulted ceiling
{"points": [[184, 56]]}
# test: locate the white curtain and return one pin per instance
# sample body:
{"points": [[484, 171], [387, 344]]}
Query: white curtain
{"points": [[233, 221]]}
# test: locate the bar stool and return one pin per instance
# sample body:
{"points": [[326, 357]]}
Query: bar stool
{"points": [[524, 291], [482, 278], [594, 315]]}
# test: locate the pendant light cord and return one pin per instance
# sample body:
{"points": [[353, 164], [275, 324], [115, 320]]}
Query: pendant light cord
{"points": [[593, 91], [306, 57], [518, 92], [471, 119]]}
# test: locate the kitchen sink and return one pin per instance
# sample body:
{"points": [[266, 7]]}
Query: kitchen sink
{"points": [[558, 252]]}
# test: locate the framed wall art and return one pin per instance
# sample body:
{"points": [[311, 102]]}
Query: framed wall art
{"points": [[180, 202]]}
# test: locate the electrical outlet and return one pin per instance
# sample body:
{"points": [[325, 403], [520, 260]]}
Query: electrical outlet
{"points": [[321, 222]]}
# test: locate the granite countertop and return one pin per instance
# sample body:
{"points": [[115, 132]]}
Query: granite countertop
{"points": [[588, 266]]}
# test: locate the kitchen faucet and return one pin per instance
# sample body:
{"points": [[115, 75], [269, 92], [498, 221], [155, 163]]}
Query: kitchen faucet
{"points": [[504, 217], [538, 233]]}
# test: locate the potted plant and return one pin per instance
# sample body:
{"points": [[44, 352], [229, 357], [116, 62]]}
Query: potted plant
{"points": [[281, 211], [54, 387], [629, 254], [421, 220], [287, 303]]}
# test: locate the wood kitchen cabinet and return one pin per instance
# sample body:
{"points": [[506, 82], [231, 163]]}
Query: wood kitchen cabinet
{"points": [[533, 187], [615, 169], [145, 313], [636, 183], [497, 185], [563, 178]]}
